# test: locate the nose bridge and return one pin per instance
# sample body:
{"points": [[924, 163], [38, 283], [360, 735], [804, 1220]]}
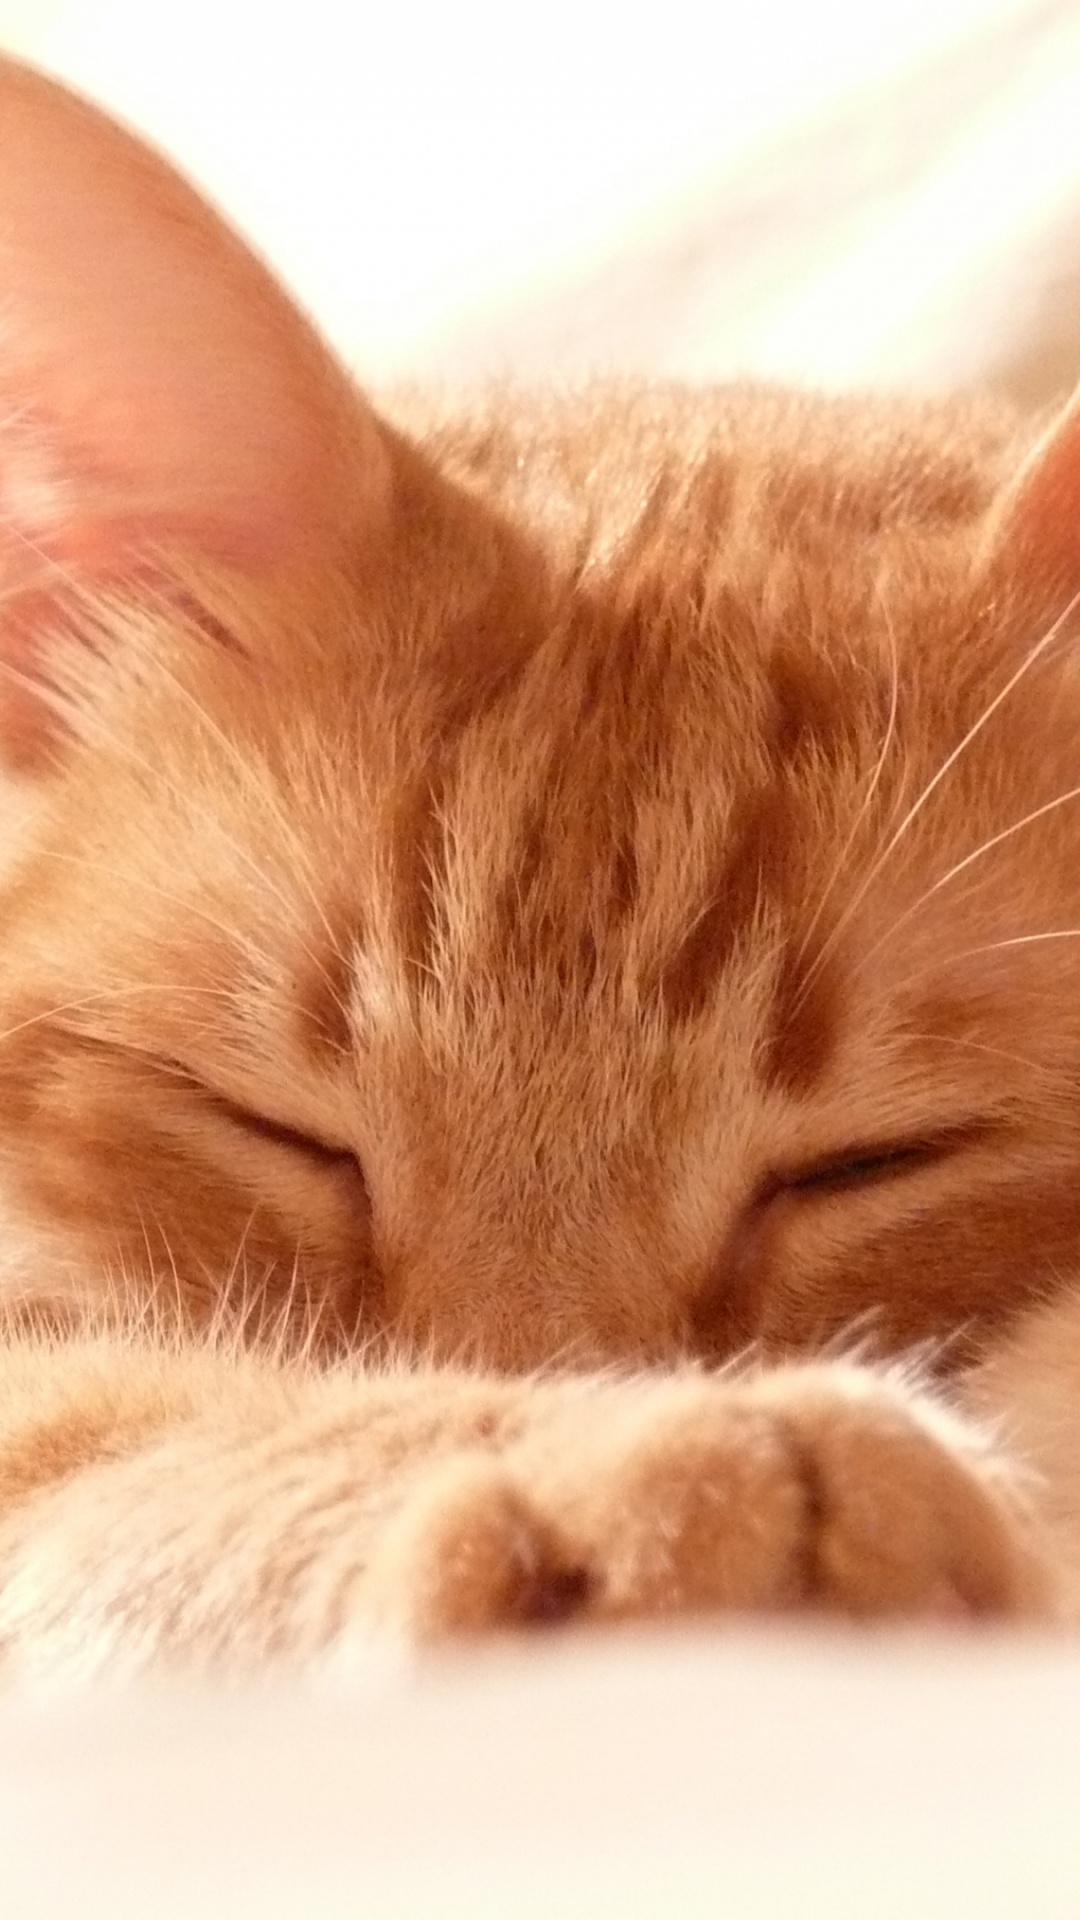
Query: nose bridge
{"points": [[522, 1231], [512, 1319], [516, 1274], [490, 1278], [490, 1322]]}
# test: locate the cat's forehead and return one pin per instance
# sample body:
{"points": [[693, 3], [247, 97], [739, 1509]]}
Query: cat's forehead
{"points": [[716, 703], [648, 668], [637, 728], [742, 545], [609, 468], [704, 607]]}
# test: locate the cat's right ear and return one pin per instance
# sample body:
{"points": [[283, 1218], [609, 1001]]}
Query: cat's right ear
{"points": [[158, 391], [1036, 523]]}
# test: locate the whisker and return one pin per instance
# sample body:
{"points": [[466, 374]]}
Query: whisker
{"points": [[239, 1301], [857, 1342], [235, 936], [1033, 655], [208, 816], [232, 934], [28, 682], [987, 846], [244, 767], [1021, 940], [872, 786], [154, 1267], [977, 1046], [103, 994]]}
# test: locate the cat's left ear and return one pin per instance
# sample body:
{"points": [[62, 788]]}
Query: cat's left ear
{"points": [[161, 398], [1037, 519], [156, 385]]}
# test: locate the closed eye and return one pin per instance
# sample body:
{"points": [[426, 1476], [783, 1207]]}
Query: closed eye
{"points": [[752, 1265], [278, 1135], [860, 1166], [257, 1125]]}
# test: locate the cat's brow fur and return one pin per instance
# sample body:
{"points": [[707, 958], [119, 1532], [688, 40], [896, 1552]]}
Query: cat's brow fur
{"points": [[478, 936]]}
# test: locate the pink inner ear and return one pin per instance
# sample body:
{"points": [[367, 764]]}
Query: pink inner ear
{"points": [[156, 386]]}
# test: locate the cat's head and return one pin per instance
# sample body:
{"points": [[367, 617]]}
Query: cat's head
{"points": [[593, 877]]}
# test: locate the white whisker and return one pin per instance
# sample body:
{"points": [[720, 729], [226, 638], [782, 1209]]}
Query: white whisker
{"points": [[1033, 655], [152, 1262], [987, 846], [871, 789], [247, 771], [207, 817], [103, 994], [1021, 940], [977, 1046], [231, 933], [53, 566]]}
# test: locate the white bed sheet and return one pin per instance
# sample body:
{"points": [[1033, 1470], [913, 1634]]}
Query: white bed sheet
{"points": [[731, 1776]]}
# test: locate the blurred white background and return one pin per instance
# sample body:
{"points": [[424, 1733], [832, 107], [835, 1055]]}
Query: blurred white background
{"points": [[843, 192]]}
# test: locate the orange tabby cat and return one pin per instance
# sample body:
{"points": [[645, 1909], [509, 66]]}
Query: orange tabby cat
{"points": [[503, 913]]}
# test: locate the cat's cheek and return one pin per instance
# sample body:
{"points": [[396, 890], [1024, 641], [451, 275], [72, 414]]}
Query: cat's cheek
{"points": [[98, 1244], [43, 1270]]}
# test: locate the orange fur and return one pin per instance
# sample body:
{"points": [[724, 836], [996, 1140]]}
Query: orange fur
{"points": [[557, 885]]}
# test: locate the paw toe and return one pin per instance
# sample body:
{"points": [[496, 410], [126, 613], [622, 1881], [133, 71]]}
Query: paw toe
{"points": [[469, 1553]]}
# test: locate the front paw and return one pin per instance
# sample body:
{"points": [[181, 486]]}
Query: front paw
{"points": [[811, 1487]]}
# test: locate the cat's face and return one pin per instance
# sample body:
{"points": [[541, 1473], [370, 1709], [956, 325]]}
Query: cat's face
{"points": [[591, 907]]}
